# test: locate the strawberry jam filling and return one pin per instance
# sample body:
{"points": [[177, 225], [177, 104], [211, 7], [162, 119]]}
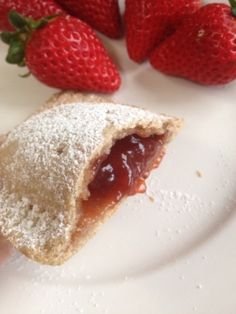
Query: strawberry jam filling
{"points": [[124, 170]]}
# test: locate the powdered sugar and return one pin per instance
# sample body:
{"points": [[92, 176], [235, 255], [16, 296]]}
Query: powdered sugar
{"points": [[42, 165], [32, 225]]}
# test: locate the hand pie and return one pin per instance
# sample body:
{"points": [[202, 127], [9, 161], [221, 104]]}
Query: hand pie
{"points": [[65, 169]]}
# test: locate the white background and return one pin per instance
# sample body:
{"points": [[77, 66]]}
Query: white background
{"points": [[174, 254]]}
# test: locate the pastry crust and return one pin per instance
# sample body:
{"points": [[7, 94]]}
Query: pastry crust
{"points": [[45, 168]]}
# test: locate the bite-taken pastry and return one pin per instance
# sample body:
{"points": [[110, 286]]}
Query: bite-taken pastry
{"points": [[5, 249], [65, 169]]}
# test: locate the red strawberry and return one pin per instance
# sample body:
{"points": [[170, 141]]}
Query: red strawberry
{"points": [[203, 49], [102, 15], [35, 9], [148, 22], [176, 11], [64, 53]]}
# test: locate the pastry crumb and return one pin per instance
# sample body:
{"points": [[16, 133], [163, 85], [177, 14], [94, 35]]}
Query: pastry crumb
{"points": [[151, 198], [199, 174]]}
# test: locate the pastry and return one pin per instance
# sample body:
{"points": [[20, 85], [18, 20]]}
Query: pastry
{"points": [[5, 250], [66, 168]]}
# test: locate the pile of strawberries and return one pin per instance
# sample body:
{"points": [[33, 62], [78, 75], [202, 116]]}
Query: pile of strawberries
{"points": [[56, 41]]}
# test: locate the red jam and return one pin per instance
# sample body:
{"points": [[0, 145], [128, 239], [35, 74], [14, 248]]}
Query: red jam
{"points": [[124, 170]]}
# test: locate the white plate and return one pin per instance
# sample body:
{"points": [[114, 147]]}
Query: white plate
{"points": [[172, 251]]}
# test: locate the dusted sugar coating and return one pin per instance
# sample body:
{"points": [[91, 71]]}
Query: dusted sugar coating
{"points": [[67, 54], [45, 170], [203, 49], [148, 22], [102, 15], [35, 9]]}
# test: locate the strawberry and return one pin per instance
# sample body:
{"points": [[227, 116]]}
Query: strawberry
{"points": [[203, 49], [176, 11], [62, 52], [148, 22], [102, 15], [35, 9]]}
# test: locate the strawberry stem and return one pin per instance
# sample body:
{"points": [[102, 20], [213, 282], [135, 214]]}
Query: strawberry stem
{"points": [[233, 6], [16, 52], [18, 39], [17, 20]]}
